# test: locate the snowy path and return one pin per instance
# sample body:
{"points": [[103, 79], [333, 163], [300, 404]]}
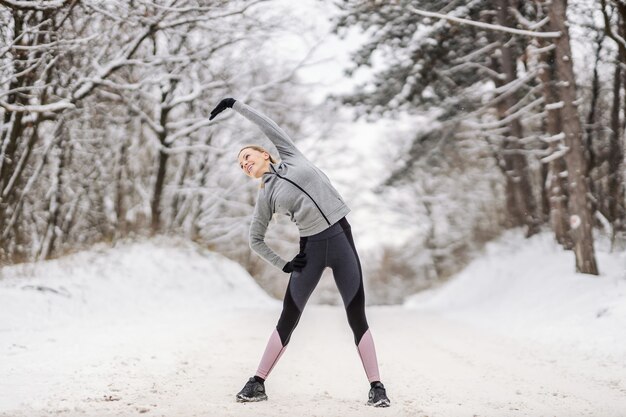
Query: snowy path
{"points": [[191, 363], [162, 328]]}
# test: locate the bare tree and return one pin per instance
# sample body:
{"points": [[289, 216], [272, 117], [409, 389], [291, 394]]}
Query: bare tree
{"points": [[92, 93], [520, 198], [579, 205], [555, 182], [615, 207]]}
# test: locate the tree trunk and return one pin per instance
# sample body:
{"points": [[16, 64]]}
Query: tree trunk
{"points": [[579, 205], [591, 118], [120, 192], [53, 228], [17, 145], [615, 188], [556, 183], [161, 170], [177, 200], [520, 197], [158, 190], [9, 138]]}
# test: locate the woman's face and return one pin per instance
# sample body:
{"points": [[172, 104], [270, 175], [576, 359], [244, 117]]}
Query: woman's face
{"points": [[254, 163]]}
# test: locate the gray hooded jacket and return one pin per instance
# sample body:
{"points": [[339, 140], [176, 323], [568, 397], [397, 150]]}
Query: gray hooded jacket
{"points": [[294, 187]]}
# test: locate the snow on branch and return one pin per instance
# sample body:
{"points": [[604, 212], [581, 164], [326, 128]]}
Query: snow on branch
{"points": [[85, 86], [519, 114], [37, 108], [156, 128], [520, 18], [61, 43], [204, 17], [555, 106], [33, 4], [516, 84], [539, 51], [621, 42], [555, 155], [553, 138], [465, 65], [190, 148], [188, 130], [521, 104], [485, 49], [182, 123], [177, 9], [527, 23], [186, 98], [485, 25]]}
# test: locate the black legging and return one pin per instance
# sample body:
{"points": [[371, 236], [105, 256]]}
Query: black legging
{"points": [[334, 248]]}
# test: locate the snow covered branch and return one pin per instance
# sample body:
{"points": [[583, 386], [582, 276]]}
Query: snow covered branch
{"points": [[190, 148], [555, 106], [195, 93], [527, 23], [554, 138], [465, 65], [156, 128], [34, 4], [86, 85], [483, 25], [621, 42], [485, 49], [37, 108], [556, 155], [539, 51], [514, 85], [188, 130]]}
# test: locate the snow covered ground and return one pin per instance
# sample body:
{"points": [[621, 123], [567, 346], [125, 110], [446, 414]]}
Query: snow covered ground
{"points": [[163, 328], [528, 289]]}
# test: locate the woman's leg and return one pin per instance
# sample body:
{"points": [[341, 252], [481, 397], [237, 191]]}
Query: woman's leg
{"points": [[344, 261], [301, 285]]}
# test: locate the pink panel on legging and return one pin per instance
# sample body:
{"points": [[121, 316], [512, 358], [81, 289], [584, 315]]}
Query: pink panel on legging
{"points": [[273, 352], [368, 356]]}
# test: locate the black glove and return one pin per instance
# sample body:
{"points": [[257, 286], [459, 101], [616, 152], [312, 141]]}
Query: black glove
{"points": [[223, 105], [296, 264]]}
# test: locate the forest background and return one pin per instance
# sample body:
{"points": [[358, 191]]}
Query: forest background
{"points": [[442, 123]]}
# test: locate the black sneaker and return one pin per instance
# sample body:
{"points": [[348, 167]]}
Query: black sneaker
{"points": [[378, 396], [252, 391]]}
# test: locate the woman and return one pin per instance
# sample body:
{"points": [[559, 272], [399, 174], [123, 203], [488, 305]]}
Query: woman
{"points": [[297, 188]]}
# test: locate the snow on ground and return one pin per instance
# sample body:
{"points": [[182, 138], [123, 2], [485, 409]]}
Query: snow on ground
{"points": [[166, 329], [528, 289]]}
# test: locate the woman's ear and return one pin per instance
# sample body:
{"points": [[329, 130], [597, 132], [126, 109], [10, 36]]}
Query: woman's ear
{"points": [[266, 155]]}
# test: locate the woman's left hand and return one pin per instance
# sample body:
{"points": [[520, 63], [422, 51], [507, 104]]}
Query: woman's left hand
{"points": [[296, 264], [223, 105]]}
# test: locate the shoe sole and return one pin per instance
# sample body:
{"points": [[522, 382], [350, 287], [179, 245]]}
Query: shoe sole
{"points": [[380, 404], [242, 399]]}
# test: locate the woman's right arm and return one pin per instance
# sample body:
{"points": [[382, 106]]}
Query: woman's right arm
{"points": [[285, 146], [258, 227]]}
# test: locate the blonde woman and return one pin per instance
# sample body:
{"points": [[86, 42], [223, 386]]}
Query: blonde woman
{"points": [[297, 188]]}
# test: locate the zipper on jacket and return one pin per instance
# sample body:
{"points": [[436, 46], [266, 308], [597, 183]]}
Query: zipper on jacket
{"points": [[308, 195]]}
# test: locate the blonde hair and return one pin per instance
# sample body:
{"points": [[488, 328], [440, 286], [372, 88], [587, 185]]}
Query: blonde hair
{"points": [[260, 149], [257, 148]]}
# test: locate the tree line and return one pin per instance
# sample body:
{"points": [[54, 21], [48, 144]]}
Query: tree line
{"points": [[104, 129], [504, 71]]}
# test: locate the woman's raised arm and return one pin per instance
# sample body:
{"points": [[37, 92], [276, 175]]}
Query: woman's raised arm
{"points": [[285, 146]]}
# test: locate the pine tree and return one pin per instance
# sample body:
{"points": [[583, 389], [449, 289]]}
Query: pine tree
{"points": [[436, 64]]}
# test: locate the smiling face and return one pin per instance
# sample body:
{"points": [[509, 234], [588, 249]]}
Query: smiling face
{"points": [[254, 163]]}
